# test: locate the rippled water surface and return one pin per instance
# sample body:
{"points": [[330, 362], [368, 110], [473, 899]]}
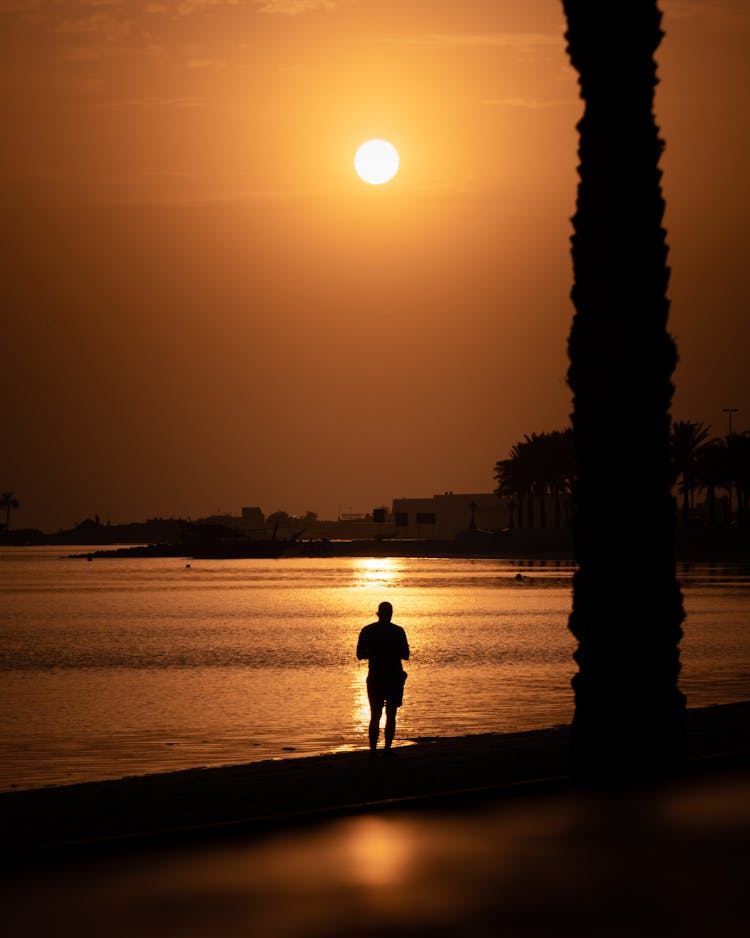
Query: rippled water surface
{"points": [[125, 666]]}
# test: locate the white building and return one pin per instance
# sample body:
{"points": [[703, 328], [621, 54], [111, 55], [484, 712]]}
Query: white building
{"points": [[444, 516]]}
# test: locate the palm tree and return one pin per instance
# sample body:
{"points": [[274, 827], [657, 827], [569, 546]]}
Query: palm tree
{"points": [[686, 440], [535, 452], [550, 466], [629, 712], [541, 465], [561, 461], [9, 502], [711, 473], [515, 481], [738, 472]]}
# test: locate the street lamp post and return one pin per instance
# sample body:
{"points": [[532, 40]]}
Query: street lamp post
{"points": [[729, 411]]}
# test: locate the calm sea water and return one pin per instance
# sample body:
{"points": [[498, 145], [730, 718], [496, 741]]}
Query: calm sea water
{"points": [[120, 667]]}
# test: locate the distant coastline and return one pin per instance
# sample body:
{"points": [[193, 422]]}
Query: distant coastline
{"points": [[693, 545]]}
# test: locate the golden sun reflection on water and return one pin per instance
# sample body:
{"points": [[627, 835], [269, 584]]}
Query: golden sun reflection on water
{"points": [[361, 713], [361, 707], [377, 572]]}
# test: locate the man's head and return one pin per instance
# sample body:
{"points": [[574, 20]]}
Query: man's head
{"points": [[385, 611]]}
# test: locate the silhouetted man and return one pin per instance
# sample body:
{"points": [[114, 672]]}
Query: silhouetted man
{"points": [[384, 645]]}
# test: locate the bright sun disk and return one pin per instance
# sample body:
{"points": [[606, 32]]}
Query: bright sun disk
{"points": [[376, 162]]}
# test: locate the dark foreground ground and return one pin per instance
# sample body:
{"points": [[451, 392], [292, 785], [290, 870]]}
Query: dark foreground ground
{"points": [[477, 836]]}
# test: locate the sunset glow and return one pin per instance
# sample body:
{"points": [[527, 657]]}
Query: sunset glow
{"points": [[214, 308]]}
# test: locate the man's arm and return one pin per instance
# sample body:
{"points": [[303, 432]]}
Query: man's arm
{"points": [[362, 650], [404, 647]]}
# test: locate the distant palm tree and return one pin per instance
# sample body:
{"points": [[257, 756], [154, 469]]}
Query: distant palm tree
{"points": [[738, 473], [561, 463], [686, 440], [540, 466], [9, 502], [515, 481], [627, 605], [711, 473], [536, 456]]}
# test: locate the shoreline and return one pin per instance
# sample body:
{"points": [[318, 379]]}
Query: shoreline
{"points": [[692, 545], [275, 794]]}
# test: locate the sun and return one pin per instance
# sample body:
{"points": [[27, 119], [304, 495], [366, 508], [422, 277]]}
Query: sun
{"points": [[376, 162]]}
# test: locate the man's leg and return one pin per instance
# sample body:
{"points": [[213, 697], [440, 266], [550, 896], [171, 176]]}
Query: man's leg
{"points": [[390, 723], [376, 711]]}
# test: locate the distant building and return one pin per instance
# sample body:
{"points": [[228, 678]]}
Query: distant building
{"points": [[444, 516]]}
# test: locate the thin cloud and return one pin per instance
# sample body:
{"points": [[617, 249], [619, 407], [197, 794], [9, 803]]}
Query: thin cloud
{"points": [[479, 40], [147, 104], [700, 14], [90, 16], [93, 52], [529, 103], [85, 30], [283, 7], [22, 6], [104, 25], [295, 7], [187, 7], [207, 63]]}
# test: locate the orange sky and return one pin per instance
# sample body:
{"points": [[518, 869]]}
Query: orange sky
{"points": [[203, 307]]}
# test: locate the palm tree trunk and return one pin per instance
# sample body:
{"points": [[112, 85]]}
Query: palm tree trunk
{"points": [[627, 605], [711, 499]]}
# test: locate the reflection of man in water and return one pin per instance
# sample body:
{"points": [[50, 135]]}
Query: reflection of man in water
{"points": [[384, 645]]}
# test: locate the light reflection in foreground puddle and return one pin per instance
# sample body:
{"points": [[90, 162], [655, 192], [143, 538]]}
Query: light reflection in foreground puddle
{"points": [[560, 864]]}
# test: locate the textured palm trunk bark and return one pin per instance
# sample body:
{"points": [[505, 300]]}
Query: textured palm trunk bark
{"points": [[627, 604]]}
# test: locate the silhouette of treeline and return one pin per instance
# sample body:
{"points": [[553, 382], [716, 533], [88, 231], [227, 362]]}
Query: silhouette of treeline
{"points": [[92, 531], [540, 472]]}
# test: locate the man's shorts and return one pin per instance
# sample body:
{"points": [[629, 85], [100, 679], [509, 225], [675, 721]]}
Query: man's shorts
{"points": [[389, 692]]}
